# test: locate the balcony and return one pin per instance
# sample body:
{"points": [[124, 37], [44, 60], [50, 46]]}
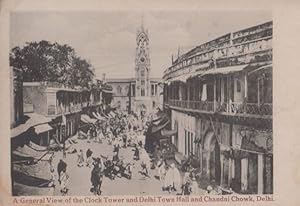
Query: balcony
{"points": [[232, 108], [59, 110], [251, 108]]}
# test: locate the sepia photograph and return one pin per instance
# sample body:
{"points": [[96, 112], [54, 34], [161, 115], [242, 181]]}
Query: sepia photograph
{"points": [[154, 102]]}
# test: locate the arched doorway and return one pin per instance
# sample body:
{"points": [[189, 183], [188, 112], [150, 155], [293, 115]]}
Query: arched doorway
{"points": [[211, 157]]}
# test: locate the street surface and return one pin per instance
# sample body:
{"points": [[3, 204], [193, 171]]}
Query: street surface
{"points": [[80, 183]]}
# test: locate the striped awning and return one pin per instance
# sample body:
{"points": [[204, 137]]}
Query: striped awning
{"points": [[30, 120]]}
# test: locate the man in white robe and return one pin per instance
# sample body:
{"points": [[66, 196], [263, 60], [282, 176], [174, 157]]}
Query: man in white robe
{"points": [[173, 179]]}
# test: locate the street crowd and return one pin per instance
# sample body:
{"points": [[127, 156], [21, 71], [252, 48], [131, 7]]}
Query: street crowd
{"points": [[125, 132]]}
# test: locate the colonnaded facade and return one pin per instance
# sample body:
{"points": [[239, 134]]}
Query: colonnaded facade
{"points": [[219, 98], [142, 93]]}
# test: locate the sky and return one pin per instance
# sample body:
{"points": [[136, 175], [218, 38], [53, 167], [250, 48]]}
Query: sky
{"points": [[107, 38]]}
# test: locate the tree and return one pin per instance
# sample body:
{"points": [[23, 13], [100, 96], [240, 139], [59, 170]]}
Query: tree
{"points": [[45, 61]]}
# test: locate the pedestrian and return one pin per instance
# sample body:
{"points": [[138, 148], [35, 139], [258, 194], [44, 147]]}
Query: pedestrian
{"points": [[195, 187], [80, 159], [161, 167], [89, 135], [52, 180], [136, 155], [141, 138], [115, 156], [97, 176], [172, 179], [144, 170], [145, 165], [60, 166], [64, 180], [101, 136], [89, 160], [116, 146], [124, 136], [186, 181], [64, 150]]}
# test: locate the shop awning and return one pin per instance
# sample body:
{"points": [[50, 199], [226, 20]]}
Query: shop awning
{"points": [[104, 115], [111, 113], [42, 128], [168, 133], [39, 170], [93, 121], [25, 190], [197, 73], [37, 147], [86, 119], [160, 120], [26, 151], [98, 116], [182, 78], [159, 127], [17, 158], [225, 70], [261, 68], [30, 120], [29, 180]]}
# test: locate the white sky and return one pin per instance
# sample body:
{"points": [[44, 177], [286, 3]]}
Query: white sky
{"points": [[107, 38]]}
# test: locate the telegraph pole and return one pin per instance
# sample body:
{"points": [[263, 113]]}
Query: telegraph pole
{"points": [[129, 96]]}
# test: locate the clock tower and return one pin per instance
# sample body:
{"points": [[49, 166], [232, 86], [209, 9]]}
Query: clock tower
{"points": [[142, 63], [141, 93], [142, 101]]}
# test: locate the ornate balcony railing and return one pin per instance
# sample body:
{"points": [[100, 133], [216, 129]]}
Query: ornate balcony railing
{"points": [[224, 107], [63, 109]]}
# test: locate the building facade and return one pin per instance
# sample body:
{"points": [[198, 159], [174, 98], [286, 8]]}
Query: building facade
{"points": [[219, 97], [142, 93], [62, 104]]}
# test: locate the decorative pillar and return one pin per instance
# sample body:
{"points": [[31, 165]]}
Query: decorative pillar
{"points": [[244, 174], [215, 93], [260, 169], [222, 169], [258, 93], [228, 94], [246, 86], [48, 138]]}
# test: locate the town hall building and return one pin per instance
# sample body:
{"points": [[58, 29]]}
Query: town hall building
{"points": [[140, 94]]}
